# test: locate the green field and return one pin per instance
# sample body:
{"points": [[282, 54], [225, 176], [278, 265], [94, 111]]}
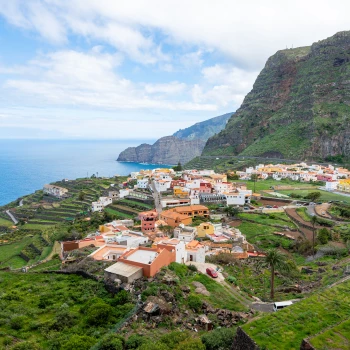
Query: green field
{"points": [[285, 329], [9, 250], [272, 219], [263, 236], [325, 196], [6, 223], [263, 185]]}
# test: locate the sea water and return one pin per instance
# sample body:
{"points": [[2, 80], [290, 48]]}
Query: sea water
{"points": [[26, 165]]}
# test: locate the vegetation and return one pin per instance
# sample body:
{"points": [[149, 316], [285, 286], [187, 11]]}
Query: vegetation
{"points": [[276, 261], [285, 329], [55, 311]]}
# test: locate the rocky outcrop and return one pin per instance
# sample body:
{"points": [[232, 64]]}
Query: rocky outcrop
{"points": [[182, 146], [242, 341], [167, 150], [299, 106]]}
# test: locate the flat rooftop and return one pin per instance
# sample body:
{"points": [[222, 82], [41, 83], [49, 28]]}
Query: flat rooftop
{"points": [[142, 256], [122, 269]]}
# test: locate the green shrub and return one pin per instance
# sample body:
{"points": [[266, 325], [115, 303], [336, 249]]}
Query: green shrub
{"points": [[79, 342], [17, 322], [323, 236], [112, 342], [26, 345], [123, 297], [171, 340], [134, 342], [194, 302], [232, 280], [100, 313], [219, 339], [191, 344], [192, 268]]}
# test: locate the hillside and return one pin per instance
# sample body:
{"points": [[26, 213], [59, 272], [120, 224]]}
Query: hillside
{"points": [[299, 106], [182, 146], [204, 130]]}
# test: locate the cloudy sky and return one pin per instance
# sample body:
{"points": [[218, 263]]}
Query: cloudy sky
{"points": [[141, 69]]}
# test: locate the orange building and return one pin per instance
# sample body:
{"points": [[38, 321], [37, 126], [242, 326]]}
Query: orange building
{"points": [[183, 215], [149, 259]]}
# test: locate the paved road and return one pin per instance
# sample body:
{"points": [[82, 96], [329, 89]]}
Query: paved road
{"points": [[12, 217], [21, 203], [157, 197]]}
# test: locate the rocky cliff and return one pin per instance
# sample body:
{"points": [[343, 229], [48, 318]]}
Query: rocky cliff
{"points": [[299, 106], [167, 150], [183, 146]]}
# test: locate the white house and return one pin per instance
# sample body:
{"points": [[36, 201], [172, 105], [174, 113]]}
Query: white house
{"points": [[238, 197], [185, 233], [142, 183], [179, 247], [101, 203], [332, 185], [124, 192], [162, 185], [55, 191], [195, 252]]}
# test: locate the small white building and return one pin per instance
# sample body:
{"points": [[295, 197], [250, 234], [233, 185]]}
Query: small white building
{"points": [[332, 185], [101, 203], [162, 185], [113, 194], [124, 192], [142, 183], [55, 191], [185, 233]]}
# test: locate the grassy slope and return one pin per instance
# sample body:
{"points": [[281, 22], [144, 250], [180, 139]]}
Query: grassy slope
{"points": [[38, 299], [286, 329]]}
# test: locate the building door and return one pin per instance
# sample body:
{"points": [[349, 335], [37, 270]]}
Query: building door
{"points": [[191, 257], [113, 257]]}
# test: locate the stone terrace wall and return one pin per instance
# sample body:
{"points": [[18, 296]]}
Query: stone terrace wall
{"points": [[242, 341]]}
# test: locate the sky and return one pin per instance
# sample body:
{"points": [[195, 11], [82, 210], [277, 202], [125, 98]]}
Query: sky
{"points": [[91, 69]]}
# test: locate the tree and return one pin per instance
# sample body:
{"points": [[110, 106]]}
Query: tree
{"points": [[275, 260], [313, 196], [81, 196], [231, 211], [323, 236], [178, 167], [313, 221], [254, 178]]}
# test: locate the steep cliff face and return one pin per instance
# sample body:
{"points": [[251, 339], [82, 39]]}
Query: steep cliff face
{"points": [[299, 106], [183, 146], [167, 150]]}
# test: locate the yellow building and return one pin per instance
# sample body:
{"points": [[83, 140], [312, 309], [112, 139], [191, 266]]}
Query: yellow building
{"points": [[205, 228], [180, 192], [344, 185]]}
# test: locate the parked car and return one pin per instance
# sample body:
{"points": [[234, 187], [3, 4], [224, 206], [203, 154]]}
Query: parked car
{"points": [[275, 206], [298, 205], [246, 208], [211, 272], [269, 206], [319, 203]]}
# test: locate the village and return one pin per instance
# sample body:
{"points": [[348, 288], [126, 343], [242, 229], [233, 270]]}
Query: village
{"points": [[182, 227]]}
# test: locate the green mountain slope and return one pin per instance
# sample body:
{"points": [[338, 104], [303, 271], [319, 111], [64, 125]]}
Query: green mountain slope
{"points": [[204, 130], [299, 106]]}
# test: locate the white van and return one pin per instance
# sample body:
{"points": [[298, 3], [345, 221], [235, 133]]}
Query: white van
{"points": [[280, 305]]}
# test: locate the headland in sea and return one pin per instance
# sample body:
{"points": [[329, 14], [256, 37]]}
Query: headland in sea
{"points": [[26, 165]]}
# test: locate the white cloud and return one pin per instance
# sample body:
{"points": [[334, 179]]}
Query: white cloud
{"points": [[89, 79], [248, 32]]}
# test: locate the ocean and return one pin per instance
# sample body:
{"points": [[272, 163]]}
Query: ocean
{"points": [[26, 165]]}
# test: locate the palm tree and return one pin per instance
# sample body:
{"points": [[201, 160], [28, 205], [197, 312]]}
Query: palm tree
{"points": [[275, 260], [313, 221]]}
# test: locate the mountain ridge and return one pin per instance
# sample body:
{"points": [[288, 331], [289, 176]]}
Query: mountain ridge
{"points": [[299, 106]]}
